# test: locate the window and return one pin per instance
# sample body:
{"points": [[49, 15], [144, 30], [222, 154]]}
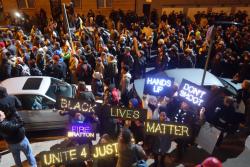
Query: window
{"points": [[25, 4], [104, 3], [77, 3]]}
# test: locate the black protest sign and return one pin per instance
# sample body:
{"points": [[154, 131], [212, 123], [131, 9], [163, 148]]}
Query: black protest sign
{"points": [[105, 150], [167, 128], [126, 113], [82, 130], [76, 105], [64, 156], [192, 93], [158, 85]]}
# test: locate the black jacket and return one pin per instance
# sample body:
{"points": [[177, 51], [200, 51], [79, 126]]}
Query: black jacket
{"points": [[12, 102], [87, 96], [12, 129]]}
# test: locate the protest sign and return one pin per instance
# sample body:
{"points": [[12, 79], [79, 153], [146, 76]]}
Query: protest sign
{"points": [[82, 130], [64, 156], [76, 105], [192, 93], [158, 85], [167, 128], [126, 113], [105, 150], [207, 137]]}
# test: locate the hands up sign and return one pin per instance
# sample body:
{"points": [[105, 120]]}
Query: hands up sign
{"points": [[192, 93], [159, 85]]}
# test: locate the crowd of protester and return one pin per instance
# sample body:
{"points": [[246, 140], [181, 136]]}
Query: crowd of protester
{"points": [[110, 53]]}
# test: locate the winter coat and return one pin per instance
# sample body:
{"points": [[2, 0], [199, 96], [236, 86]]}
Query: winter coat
{"points": [[87, 96], [125, 81], [84, 72], [5, 71], [12, 131], [97, 87]]}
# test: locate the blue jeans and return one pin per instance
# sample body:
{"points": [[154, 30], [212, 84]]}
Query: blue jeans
{"points": [[24, 146]]}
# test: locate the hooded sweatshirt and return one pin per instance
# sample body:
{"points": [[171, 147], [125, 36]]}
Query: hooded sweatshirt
{"points": [[125, 81]]}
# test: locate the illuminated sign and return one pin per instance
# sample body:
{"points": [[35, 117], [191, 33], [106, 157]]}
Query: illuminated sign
{"points": [[70, 104], [65, 156], [105, 150], [125, 113], [159, 85], [168, 128], [82, 130], [192, 93]]}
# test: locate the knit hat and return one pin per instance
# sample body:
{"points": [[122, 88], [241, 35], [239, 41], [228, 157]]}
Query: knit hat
{"points": [[2, 44], [210, 162], [56, 57], [134, 102]]}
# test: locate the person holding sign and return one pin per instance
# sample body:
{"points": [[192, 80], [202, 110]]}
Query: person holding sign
{"points": [[161, 143], [184, 115], [128, 152]]}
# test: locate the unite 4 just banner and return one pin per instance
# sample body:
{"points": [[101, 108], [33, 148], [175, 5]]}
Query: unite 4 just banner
{"points": [[192, 93]]}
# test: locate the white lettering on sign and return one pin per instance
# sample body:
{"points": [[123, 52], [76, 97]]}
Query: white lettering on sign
{"points": [[79, 105], [159, 84], [192, 94]]}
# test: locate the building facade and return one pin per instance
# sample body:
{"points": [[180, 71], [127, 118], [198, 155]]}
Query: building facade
{"points": [[188, 7]]}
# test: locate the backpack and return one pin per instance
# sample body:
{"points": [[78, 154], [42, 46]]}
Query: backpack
{"points": [[25, 70]]}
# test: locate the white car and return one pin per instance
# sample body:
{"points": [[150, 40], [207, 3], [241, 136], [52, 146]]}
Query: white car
{"points": [[38, 97], [194, 75]]}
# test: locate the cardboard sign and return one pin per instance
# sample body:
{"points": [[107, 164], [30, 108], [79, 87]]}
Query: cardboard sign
{"points": [[159, 85], [207, 137], [65, 156], [82, 130], [70, 104], [106, 150], [192, 93], [126, 113], [169, 128]]}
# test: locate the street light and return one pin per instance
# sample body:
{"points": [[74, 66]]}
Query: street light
{"points": [[17, 14]]}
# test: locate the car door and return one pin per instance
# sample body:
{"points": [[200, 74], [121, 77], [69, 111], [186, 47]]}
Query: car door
{"points": [[38, 113]]}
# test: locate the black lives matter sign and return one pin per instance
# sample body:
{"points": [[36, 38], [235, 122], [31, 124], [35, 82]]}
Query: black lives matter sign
{"points": [[167, 128], [76, 105], [158, 85], [127, 113], [192, 93]]}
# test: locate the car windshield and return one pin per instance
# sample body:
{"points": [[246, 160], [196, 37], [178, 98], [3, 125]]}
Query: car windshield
{"points": [[229, 88], [59, 88]]}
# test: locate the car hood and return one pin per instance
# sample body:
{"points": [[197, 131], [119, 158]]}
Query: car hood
{"points": [[193, 75]]}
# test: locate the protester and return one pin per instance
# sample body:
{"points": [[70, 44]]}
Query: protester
{"points": [[13, 133], [128, 152], [109, 53], [84, 94]]}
